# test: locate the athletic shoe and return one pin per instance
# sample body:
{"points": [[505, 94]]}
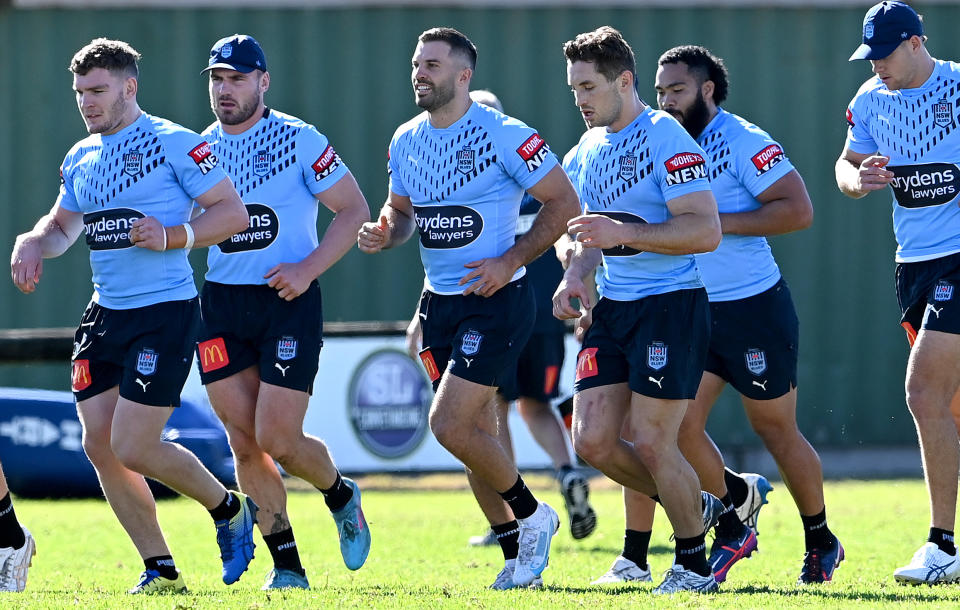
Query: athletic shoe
{"points": [[352, 529], [14, 563], [575, 491], [536, 532], [284, 579], [151, 583], [712, 509], [623, 570], [818, 565], [235, 537], [725, 553], [679, 579], [505, 580], [757, 489], [929, 565], [488, 539]]}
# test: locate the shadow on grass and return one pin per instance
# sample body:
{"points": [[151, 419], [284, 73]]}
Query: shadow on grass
{"points": [[896, 593]]}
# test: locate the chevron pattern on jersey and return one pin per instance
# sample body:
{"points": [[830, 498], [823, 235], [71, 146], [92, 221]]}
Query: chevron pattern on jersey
{"points": [[112, 174], [718, 153], [237, 155], [436, 176], [606, 181], [913, 130]]}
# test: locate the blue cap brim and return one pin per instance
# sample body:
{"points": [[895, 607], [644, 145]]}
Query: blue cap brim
{"points": [[877, 51], [226, 66]]}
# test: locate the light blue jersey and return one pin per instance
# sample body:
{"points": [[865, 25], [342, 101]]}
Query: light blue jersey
{"points": [[151, 168], [466, 183], [630, 176], [744, 161], [917, 129], [278, 166]]}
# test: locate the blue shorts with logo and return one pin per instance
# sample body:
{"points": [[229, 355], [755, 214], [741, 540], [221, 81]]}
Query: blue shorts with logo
{"points": [[537, 372], [753, 343], [656, 345], [477, 338], [144, 350], [928, 297]]}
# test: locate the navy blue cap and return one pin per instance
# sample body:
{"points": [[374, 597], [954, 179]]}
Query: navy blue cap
{"points": [[238, 52], [886, 26]]}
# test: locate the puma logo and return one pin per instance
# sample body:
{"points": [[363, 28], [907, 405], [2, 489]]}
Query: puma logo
{"points": [[142, 383], [763, 385], [282, 369], [936, 311], [468, 361], [659, 382]]}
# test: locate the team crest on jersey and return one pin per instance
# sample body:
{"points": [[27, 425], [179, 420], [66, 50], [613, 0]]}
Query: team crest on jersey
{"points": [[657, 355], [147, 362], [465, 160], [628, 167], [943, 291], [286, 348], [262, 160], [767, 158], [133, 162], [942, 112], [471, 343], [756, 360]]}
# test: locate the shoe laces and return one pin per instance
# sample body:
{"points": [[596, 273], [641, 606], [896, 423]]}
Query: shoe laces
{"points": [[223, 540], [812, 571], [350, 528]]}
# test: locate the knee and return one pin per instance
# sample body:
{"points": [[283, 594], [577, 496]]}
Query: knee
{"points": [[277, 443], [592, 446], [773, 430], [130, 452], [244, 446], [98, 450], [445, 429], [925, 403]]}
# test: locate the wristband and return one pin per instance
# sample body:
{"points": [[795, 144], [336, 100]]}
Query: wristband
{"points": [[164, 248], [190, 236]]}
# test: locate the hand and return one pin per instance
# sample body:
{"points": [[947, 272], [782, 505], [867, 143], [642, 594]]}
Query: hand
{"points": [[569, 289], [290, 280], [26, 263], [873, 174], [596, 231], [583, 324], [414, 336], [148, 233], [488, 276], [374, 236]]}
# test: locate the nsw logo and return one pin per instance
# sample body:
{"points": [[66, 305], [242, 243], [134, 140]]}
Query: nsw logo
{"points": [[767, 158], [447, 226], [262, 231], [132, 162], [657, 355], [110, 229], [466, 161], [470, 344], [533, 152], [621, 250], [286, 348], [628, 167], [685, 167], [942, 112], [927, 184], [147, 362], [262, 162], [226, 51], [943, 291], [756, 360]]}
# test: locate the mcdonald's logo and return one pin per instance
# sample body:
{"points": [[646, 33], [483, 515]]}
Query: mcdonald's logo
{"points": [[433, 371], [550, 379], [213, 355], [587, 363], [80, 378]]}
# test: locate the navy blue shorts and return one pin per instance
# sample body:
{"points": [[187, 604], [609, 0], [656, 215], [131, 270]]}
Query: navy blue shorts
{"points": [[477, 338], [145, 350], [926, 291], [537, 372], [656, 345], [246, 325], [753, 343]]}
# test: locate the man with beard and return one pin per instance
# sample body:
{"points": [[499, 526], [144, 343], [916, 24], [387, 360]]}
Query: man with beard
{"points": [[131, 185], [648, 208], [458, 172], [261, 308]]}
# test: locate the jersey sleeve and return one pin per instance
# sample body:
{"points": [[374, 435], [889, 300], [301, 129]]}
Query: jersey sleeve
{"points": [[393, 175], [680, 165], [192, 160], [859, 139], [320, 164], [760, 161], [525, 155], [571, 165], [67, 199]]}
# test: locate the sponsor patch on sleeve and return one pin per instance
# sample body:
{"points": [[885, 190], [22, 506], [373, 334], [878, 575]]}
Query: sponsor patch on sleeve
{"points": [[213, 355], [533, 152], [61, 174], [767, 158], [587, 363], [326, 163], [685, 167], [204, 158], [850, 118]]}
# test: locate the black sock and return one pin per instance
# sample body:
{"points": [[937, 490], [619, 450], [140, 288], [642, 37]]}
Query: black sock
{"points": [[816, 534], [635, 545], [563, 470], [729, 526], [11, 534], [226, 509], [508, 535], [692, 554], [283, 549], [943, 539], [736, 486], [656, 499], [163, 564], [521, 501], [338, 495]]}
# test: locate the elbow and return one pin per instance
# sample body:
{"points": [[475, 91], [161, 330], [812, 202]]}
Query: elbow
{"points": [[805, 218], [712, 239], [239, 220]]}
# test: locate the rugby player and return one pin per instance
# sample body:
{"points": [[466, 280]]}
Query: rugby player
{"points": [[17, 547]]}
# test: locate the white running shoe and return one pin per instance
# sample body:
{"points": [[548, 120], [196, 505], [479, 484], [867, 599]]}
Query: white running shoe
{"points": [[623, 570], [757, 489], [536, 532], [929, 565], [15, 562], [679, 579], [505, 580]]}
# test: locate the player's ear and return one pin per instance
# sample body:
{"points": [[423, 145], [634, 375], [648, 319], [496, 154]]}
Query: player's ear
{"points": [[466, 75], [264, 82], [130, 87], [707, 89]]}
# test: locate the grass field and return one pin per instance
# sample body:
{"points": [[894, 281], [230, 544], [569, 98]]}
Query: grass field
{"points": [[420, 557]]}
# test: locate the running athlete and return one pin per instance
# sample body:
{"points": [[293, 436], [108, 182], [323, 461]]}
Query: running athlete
{"points": [[903, 134], [17, 547], [648, 208], [458, 172], [262, 320], [130, 186]]}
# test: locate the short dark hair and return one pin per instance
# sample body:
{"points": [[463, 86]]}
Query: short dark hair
{"points": [[606, 49], [703, 64], [116, 56], [458, 41]]}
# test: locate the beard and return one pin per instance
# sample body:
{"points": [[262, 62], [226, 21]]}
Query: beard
{"points": [[441, 95], [112, 118], [695, 118], [605, 120], [243, 110]]}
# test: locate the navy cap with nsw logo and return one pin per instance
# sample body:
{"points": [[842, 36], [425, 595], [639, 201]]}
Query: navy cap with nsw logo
{"points": [[885, 26], [238, 52]]}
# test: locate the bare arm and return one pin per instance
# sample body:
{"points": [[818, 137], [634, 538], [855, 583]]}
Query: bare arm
{"points": [[49, 238], [394, 225], [858, 173], [786, 208], [577, 284]]}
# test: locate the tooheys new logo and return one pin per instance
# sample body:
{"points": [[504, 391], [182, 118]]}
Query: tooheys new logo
{"points": [[919, 186], [533, 152], [263, 229], [110, 229], [447, 226], [326, 163], [204, 158], [622, 250], [684, 167], [767, 158]]}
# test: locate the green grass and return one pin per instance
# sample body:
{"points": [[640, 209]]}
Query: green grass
{"points": [[420, 558]]}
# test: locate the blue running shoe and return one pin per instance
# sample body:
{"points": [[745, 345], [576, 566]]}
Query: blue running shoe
{"points": [[284, 579], [757, 489], [818, 564], [725, 553], [353, 530], [235, 538]]}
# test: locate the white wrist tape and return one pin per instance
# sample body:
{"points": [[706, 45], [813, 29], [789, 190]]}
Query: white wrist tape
{"points": [[164, 230], [190, 236]]}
